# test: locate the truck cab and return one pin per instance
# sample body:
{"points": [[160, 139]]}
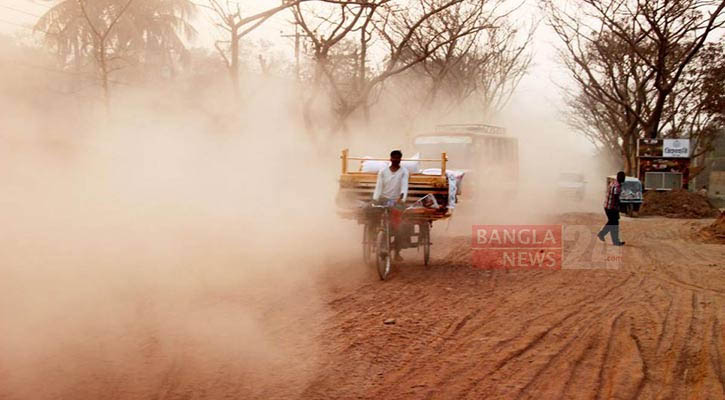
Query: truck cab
{"points": [[485, 152]]}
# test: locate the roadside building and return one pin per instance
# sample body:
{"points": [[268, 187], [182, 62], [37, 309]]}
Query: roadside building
{"points": [[713, 174]]}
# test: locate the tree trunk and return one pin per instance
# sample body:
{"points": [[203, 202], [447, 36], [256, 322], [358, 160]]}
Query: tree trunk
{"points": [[308, 100], [653, 126], [104, 75], [307, 117], [234, 63]]}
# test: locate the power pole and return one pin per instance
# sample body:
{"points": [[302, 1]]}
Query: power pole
{"points": [[297, 37], [297, 51]]}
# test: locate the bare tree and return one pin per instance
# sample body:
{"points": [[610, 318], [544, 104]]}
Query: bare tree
{"points": [[506, 62], [698, 109], [327, 27], [231, 19], [627, 58], [613, 89], [405, 33], [486, 66], [101, 25]]}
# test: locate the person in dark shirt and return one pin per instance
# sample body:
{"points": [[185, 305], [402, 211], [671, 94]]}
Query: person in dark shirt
{"points": [[611, 209]]}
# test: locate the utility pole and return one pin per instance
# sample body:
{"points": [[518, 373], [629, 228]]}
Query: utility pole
{"points": [[297, 37]]}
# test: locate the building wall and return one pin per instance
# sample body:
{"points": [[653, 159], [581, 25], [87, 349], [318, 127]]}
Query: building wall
{"points": [[714, 171]]}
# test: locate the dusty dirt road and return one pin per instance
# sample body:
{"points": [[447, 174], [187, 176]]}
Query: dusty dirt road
{"points": [[653, 329]]}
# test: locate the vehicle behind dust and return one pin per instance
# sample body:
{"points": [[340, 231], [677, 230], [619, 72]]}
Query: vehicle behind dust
{"points": [[485, 152], [630, 200], [571, 186]]}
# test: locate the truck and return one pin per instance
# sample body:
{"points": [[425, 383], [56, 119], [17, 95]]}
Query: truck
{"points": [[487, 154]]}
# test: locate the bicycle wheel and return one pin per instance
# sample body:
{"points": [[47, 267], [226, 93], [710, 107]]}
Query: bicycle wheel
{"points": [[382, 245], [425, 241], [368, 244]]}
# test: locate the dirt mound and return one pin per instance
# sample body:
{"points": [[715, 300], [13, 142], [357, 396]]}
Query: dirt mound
{"points": [[715, 233], [677, 204]]}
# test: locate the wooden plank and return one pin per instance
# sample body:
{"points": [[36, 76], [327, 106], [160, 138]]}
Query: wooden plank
{"points": [[414, 179], [375, 174], [346, 157], [402, 159], [344, 161]]}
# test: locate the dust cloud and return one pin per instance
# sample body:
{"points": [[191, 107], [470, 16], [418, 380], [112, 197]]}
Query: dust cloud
{"points": [[182, 245], [176, 247]]}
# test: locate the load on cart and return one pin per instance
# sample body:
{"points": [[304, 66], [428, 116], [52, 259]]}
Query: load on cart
{"points": [[421, 196]]}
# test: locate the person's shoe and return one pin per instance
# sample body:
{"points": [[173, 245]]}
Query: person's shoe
{"points": [[619, 244], [600, 236], [398, 257]]}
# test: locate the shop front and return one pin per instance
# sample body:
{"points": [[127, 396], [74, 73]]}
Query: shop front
{"points": [[663, 164]]}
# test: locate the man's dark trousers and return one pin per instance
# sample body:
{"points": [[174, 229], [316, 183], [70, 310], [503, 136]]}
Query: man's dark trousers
{"points": [[612, 226]]}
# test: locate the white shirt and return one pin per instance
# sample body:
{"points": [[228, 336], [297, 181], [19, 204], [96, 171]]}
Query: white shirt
{"points": [[391, 185]]}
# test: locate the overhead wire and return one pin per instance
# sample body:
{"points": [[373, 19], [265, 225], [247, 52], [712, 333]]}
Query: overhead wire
{"points": [[46, 6], [60, 71], [33, 29], [16, 24], [19, 11]]}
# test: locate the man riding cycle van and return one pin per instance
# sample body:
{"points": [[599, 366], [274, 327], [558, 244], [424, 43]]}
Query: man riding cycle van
{"points": [[391, 189]]}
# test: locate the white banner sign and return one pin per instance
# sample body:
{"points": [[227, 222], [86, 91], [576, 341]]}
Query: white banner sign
{"points": [[676, 148]]}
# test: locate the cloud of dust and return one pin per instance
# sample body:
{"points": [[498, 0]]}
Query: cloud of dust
{"points": [[181, 247], [547, 147]]}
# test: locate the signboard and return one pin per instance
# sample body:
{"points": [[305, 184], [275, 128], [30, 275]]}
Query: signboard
{"points": [[676, 148], [664, 148]]}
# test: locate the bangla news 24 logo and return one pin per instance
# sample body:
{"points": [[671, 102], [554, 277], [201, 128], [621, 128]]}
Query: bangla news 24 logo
{"points": [[524, 247], [542, 247]]}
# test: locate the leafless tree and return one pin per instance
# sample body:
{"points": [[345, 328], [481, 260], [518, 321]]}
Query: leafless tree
{"points": [[229, 16], [607, 109], [698, 109], [339, 63], [627, 58], [486, 66], [98, 24], [402, 33], [506, 62]]}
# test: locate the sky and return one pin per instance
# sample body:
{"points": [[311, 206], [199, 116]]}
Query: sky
{"points": [[538, 97]]}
